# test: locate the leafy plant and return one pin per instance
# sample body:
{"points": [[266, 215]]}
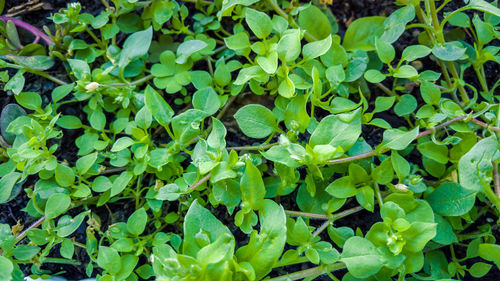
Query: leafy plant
{"points": [[140, 180]]}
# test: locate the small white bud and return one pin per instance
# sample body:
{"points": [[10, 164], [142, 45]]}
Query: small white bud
{"points": [[401, 187], [92, 86]]}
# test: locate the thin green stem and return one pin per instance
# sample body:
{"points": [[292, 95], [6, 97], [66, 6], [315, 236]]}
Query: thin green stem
{"points": [[378, 195], [37, 72], [256, 147], [292, 22], [60, 261], [315, 271], [438, 31]]}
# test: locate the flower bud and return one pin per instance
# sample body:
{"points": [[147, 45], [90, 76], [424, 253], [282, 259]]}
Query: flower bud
{"points": [[92, 86]]}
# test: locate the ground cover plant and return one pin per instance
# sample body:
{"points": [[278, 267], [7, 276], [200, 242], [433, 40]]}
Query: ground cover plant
{"points": [[252, 140]]}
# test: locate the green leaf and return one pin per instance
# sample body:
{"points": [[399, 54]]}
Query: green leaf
{"points": [[383, 103], [451, 199], [160, 109], [361, 257], [237, 41], [25, 252], [206, 100], [7, 269], [490, 252], [109, 259], [33, 62], [265, 248], [296, 116], [289, 46], [187, 48], [135, 46], [67, 249], [286, 88], [430, 92], [475, 168], [229, 5], [385, 51], [444, 231], [248, 73], [479, 269], [449, 51], [201, 227], [136, 223], [83, 164], [342, 188], [256, 121], [395, 24], [69, 122], [418, 235], [361, 33], [79, 68], [29, 100], [217, 136], [406, 105], [338, 130], [483, 6], [374, 76], [406, 71], [269, 63], [252, 187], [397, 139], [335, 74], [57, 204], [121, 183], [64, 175], [260, 23], [122, 143], [10, 113], [414, 52], [315, 22], [16, 83], [400, 165], [7, 183]]}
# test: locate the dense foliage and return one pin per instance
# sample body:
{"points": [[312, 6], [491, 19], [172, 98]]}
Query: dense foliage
{"points": [[150, 181]]}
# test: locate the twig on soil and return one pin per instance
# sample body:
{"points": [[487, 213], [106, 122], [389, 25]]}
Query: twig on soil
{"points": [[28, 27]]}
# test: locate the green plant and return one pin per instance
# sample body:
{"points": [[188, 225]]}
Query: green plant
{"points": [[154, 81]]}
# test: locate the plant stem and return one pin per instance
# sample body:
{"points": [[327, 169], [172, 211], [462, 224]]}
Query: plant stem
{"points": [[321, 228], [496, 178], [422, 134], [484, 125], [440, 37], [204, 2], [200, 182], [37, 72], [60, 261], [385, 89], [256, 147], [306, 215], [292, 22], [28, 27], [25, 232], [315, 271], [324, 217]]}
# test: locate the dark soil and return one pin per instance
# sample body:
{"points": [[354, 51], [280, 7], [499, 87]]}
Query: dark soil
{"points": [[345, 11]]}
